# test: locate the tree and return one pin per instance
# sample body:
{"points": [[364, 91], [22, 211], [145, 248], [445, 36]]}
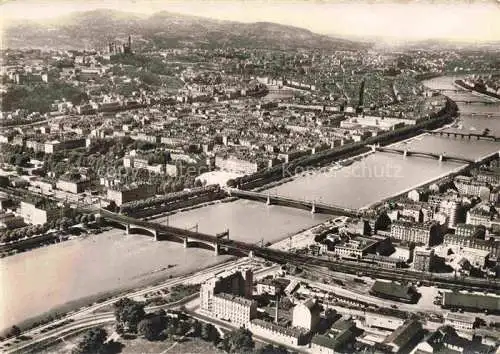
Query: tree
{"points": [[129, 313], [383, 221], [238, 341], [209, 333], [14, 331], [271, 349], [147, 329], [93, 342], [196, 328], [4, 181], [152, 326]]}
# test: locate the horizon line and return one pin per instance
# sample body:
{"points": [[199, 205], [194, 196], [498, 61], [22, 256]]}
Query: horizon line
{"points": [[427, 23]]}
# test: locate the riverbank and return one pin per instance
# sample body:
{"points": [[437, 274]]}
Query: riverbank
{"points": [[91, 269], [263, 177], [486, 94], [142, 282], [445, 176], [303, 238]]}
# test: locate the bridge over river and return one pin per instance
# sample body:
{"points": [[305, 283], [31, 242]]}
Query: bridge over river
{"points": [[188, 237], [312, 205], [222, 242], [440, 157], [469, 136]]}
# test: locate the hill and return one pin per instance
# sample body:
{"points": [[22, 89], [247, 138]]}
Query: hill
{"points": [[93, 29]]}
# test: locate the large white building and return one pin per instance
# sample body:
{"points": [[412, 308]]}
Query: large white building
{"points": [[426, 233], [235, 309], [451, 209], [124, 194], [37, 214], [228, 296], [233, 164], [459, 321], [306, 315]]}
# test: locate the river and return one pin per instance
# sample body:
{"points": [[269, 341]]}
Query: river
{"points": [[39, 280]]}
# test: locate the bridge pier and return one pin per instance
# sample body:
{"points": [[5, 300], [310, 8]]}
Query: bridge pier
{"points": [[405, 152], [313, 208], [185, 242], [441, 157], [216, 249], [127, 229], [268, 200]]}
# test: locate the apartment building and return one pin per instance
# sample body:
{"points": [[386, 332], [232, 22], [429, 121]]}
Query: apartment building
{"points": [[420, 233]]}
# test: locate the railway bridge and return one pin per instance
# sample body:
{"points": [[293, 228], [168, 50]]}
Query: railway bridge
{"points": [[222, 241], [161, 232]]}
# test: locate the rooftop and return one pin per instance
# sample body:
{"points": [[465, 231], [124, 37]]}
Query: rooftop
{"points": [[393, 289], [289, 331], [404, 333], [238, 299]]}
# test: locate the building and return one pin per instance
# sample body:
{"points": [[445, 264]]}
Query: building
{"points": [[451, 209], [273, 286], [471, 301], [377, 320], [394, 291], [73, 184], [413, 211], [459, 321], [233, 164], [491, 177], [40, 212], [480, 215], [355, 247], [427, 233], [124, 194], [492, 246], [469, 186], [235, 309], [404, 337], [228, 296], [417, 195], [67, 144], [306, 315], [466, 230], [423, 259], [286, 335], [383, 261], [330, 344], [383, 123], [446, 340]]}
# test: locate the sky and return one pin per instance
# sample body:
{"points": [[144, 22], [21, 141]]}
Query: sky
{"points": [[459, 20]]}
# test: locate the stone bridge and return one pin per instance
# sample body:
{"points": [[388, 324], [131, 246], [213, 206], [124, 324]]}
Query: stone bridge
{"points": [[160, 232]]}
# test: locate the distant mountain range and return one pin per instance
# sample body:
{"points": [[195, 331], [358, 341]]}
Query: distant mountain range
{"points": [[94, 29]]}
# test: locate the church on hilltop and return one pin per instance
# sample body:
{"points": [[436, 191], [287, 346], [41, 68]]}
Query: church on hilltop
{"points": [[123, 48]]}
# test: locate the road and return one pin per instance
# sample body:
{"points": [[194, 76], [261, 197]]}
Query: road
{"points": [[87, 318]]}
